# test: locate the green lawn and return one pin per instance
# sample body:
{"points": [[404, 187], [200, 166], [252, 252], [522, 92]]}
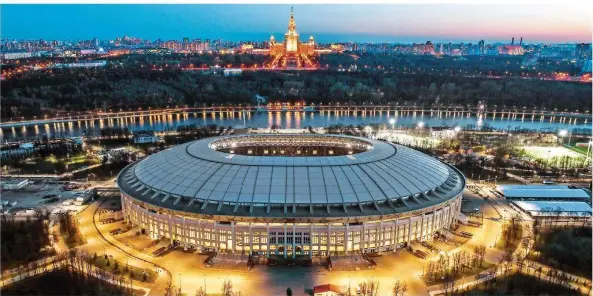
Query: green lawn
{"points": [[581, 150], [109, 265], [53, 164]]}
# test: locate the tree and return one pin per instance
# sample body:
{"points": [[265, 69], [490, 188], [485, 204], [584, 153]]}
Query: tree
{"points": [[288, 292], [227, 288], [369, 288], [200, 292], [396, 288], [404, 288]]}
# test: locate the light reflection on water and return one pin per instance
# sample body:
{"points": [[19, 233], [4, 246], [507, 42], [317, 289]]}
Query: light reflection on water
{"points": [[295, 120]]}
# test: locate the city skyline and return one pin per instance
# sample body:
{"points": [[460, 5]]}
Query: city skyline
{"points": [[328, 23]]}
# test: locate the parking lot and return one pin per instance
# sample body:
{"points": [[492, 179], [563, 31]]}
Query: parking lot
{"points": [[38, 195]]}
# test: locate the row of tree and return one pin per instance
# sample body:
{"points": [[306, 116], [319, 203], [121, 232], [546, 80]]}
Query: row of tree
{"points": [[130, 87], [451, 266], [24, 241]]}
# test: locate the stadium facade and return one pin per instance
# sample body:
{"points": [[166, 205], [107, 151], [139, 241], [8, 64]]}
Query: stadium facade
{"points": [[291, 194]]}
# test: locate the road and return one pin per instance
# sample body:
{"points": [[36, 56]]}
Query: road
{"points": [[187, 269]]}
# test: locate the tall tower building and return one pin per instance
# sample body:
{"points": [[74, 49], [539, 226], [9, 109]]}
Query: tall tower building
{"points": [[292, 53], [291, 38], [482, 47]]}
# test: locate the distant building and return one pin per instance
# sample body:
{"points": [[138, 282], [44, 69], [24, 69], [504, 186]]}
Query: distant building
{"points": [[232, 72], [583, 51], [292, 52], [512, 49], [92, 64], [17, 55], [327, 290], [555, 210], [543, 193], [143, 137], [586, 66], [14, 184], [482, 47], [27, 146]]}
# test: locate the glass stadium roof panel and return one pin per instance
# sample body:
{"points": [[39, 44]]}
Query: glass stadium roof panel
{"points": [[385, 171]]}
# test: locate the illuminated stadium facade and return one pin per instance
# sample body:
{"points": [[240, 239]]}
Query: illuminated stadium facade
{"points": [[289, 194]]}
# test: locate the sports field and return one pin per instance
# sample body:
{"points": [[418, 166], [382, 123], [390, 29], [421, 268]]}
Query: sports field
{"points": [[545, 152]]}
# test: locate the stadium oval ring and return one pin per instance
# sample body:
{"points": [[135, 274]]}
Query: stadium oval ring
{"points": [[380, 199]]}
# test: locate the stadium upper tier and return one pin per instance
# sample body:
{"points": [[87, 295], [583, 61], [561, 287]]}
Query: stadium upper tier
{"points": [[378, 178]]}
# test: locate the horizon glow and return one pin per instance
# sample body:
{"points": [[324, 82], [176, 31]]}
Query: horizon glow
{"points": [[536, 23]]}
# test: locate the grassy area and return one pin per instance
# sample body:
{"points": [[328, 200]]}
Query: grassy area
{"points": [[516, 284], [485, 266], [53, 164], [117, 267], [577, 149], [60, 282], [545, 152]]}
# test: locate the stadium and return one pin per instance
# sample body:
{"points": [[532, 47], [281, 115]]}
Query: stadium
{"points": [[291, 195]]}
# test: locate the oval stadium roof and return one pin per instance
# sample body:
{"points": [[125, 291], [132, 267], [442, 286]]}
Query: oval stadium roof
{"points": [[195, 173]]}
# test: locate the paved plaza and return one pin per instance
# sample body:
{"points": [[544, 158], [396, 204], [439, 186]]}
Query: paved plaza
{"points": [[188, 269]]}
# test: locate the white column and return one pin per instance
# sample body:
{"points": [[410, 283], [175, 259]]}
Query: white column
{"points": [[409, 229], [214, 237], [268, 241], [378, 231], [346, 237], [184, 234], [284, 240], [329, 241], [422, 227], [170, 229], [233, 237], [363, 240], [311, 241], [394, 236], [293, 241], [251, 240]]}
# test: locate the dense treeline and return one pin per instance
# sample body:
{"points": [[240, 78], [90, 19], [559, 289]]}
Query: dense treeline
{"points": [[24, 241], [567, 249], [71, 273], [517, 284], [129, 87]]}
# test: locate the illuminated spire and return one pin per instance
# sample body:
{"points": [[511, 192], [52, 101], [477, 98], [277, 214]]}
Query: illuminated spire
{"points": [[291, 24]]}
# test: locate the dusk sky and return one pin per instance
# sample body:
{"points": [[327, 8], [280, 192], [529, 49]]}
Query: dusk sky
{"points": [[328, 23]]}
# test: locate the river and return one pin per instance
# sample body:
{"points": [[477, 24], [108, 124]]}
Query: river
{"points": [[283, 120]]}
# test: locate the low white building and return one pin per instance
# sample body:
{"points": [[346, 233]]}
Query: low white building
{"points": [[27, 146], [556, 209], [232, 72], [14, 184], [145, 137], [327, 290]]}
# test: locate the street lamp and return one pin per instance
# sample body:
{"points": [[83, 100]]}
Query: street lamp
{"points": [[368, 130], [392, 121], [457, 129], [420, 124], [180, 283], [562, 134]]}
